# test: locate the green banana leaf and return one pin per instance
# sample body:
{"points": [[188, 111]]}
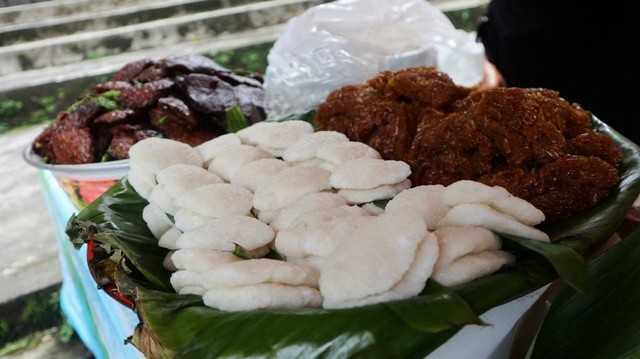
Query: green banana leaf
{"points": [[181, 326], [605, 324]]}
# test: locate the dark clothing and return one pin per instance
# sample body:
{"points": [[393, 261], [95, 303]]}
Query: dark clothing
{"points": [[583, 50]]}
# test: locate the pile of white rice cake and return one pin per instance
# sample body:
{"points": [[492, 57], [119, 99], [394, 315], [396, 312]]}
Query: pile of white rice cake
{"points": [[307, 195]]}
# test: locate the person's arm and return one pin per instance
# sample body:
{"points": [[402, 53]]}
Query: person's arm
{"points": [[492, 77]]}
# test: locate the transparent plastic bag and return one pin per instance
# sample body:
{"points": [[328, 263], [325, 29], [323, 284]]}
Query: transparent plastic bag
{"points": [[349, 41]]}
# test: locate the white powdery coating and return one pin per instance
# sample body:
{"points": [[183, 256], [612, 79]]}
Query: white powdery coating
{"points": [[256, 271], [472, 266], [367, 173], [482, 215], [262, 296], [274, 135], [186, 220], [223, 233], [185, 278], [426, 200], [227, 163], [168, 264], [202, 260], [314, 162], [306, 147], [159, 198], [306, 204], [217, 200], [180, 178], [337, 153], [169, 238], [253, 173], [141, 180], [266, 216], [154, 154], [283, 189], [374, 259], [288, 240], [155, 224], [357, 196], [466, 191], [162, 215], [411, 284], [316, 262], [456, 242], [210, 149], [321, 241]]}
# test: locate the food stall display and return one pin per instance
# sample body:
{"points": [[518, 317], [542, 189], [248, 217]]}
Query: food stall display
{"points": [[396, 216], [233, 293]]}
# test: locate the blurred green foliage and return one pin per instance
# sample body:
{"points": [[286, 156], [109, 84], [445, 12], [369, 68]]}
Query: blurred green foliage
{"points": [[253, 58]]}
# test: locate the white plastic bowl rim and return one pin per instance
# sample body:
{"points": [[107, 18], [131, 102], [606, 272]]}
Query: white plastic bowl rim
{"points": [[90, 171]]}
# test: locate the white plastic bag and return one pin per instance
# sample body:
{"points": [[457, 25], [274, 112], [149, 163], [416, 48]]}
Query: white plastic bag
{"points": [[349, 41]]}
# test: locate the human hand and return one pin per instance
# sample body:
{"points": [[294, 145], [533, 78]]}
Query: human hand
{"points": [[492, 77]]}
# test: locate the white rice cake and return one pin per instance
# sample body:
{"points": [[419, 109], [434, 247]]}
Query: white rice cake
{"points": [[185, 278], [338, 153], [313, 223], [314, 162], [212, 148], [306, 204], [223, 233], [316, 262], [482, 215], [162, 215], [358, 196], [322, 240], [262, 296], [466, 191], [274, 135], [266, 216], [251, 174], [141, 180], [411, 284], [157, 226], [306, 147], [154, 154], [161, 199], [192, 289], [227, 163], [168, 264], [217, 200], [256, 271], [186, 219], [179, 179], [202, 260], [472, 266], [374, 259], [169, 238], [367, 173], [456, 242], [285, 188], [426, 200]]}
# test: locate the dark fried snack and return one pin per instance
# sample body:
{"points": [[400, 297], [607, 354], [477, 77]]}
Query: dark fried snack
{"points": [[530, 141], [184, 98]]}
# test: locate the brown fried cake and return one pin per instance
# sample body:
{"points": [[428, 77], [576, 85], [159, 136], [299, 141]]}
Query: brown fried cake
{"points": [[528, 140]]}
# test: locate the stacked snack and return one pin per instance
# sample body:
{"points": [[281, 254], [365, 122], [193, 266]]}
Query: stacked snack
{"points": [[229, 227], [529, 141]]}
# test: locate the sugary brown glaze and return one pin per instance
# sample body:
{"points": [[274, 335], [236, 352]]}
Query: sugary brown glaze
{"points": [[530, 141], [183, 98]]}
